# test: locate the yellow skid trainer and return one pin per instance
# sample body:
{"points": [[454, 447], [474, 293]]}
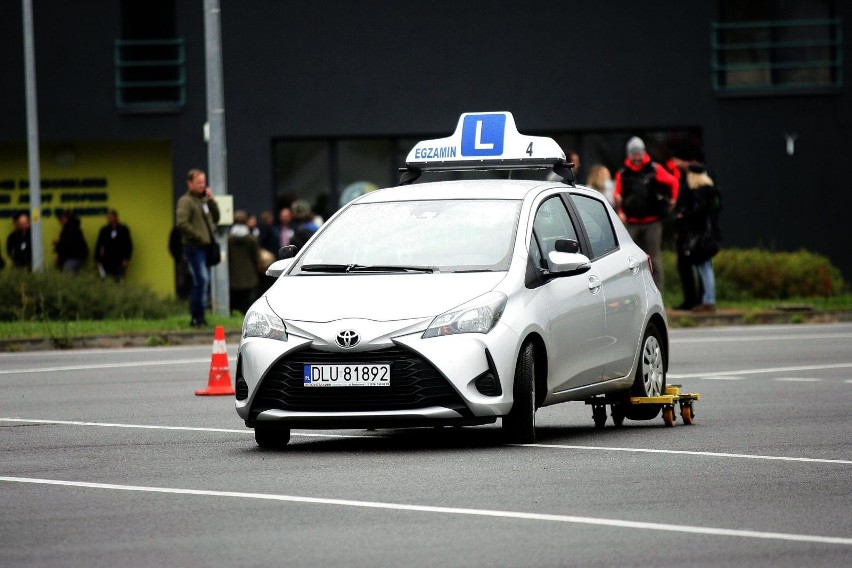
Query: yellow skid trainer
{"points": [[668, 400], [672, 395]]}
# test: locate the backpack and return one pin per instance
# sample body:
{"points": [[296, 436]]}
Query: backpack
{"points": [[642, 194]]}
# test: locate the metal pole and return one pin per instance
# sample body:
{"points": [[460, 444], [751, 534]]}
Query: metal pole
{"points": [[216, 153], [32, 139]]}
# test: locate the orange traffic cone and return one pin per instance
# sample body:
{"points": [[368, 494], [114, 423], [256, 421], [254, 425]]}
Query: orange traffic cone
{"points": [[219, 381]]}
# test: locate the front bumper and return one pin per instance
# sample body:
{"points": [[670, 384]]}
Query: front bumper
{"points": [[453, 380]]}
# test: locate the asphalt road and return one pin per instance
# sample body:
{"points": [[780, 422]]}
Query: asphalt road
{"points": [[108, 458]]}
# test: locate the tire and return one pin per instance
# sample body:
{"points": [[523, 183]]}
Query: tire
{"points": [[687, 414], [650, 376], [599, 416], [519, 424], [618, 416], [271, 437]]}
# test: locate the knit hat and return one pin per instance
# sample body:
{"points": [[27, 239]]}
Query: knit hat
{"points": [[635, 146]]}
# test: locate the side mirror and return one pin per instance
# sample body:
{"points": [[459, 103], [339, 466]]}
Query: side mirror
{"points": [[279, 267], [568, 263], [287, 252]]}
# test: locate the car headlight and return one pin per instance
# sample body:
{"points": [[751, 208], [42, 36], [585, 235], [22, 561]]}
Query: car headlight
{"points": [[477, 316], [261, 321]]}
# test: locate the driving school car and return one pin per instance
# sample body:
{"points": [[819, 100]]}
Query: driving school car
{"points": [[455, 302]]}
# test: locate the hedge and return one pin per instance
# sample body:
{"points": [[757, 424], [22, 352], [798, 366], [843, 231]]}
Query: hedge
{"points": [[752, 274], [54, 295]]}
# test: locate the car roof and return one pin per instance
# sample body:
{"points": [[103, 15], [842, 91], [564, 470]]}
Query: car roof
{"points": [[459, 189]]}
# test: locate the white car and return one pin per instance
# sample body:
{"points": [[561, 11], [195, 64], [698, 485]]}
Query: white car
{"points": [[456, 302]]}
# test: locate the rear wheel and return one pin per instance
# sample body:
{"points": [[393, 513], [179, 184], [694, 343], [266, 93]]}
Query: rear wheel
{"points": [[650, 376], [271, 437], [519, 424]]}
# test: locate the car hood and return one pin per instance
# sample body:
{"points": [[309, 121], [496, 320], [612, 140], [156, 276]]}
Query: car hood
{"points": [[380, 297]]}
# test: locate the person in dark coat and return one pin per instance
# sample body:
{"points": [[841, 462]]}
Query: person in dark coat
{"points": [[19, 244], [113, 248], [71, 248], [304, 225], [242, 264], [183, 281], [698, 237]]}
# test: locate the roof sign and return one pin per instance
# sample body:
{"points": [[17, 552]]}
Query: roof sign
{"points": [[485, 140]]}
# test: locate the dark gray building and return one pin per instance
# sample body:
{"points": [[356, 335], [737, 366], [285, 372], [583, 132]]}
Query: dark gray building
{"points": [[325, 98]]}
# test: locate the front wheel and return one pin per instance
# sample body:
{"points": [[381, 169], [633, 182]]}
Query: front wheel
{"points": [[272, 437], [519, 424], [650, 376]]}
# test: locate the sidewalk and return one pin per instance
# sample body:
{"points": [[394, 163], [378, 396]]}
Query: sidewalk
{"points": [[677, 319]]}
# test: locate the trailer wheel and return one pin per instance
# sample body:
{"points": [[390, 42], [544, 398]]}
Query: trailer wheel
{"points": [[686, 414]]}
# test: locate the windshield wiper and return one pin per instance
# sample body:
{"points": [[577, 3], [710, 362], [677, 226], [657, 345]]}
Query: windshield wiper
{"points": [[362, 268], [325, 267], [390, 268]]}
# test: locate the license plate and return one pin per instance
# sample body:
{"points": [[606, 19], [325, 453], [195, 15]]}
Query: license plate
{"points": [[347, 375]]}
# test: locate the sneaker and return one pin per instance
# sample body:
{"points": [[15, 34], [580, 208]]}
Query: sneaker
{"points": [[198, 323], [705, 308]]}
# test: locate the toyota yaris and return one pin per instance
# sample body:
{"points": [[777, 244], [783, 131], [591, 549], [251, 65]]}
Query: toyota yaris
{"points": [[455, 302]]}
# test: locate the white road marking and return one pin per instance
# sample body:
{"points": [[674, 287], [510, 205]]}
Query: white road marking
{"points": [[708, 377], [699, 530], [686, 452], [333, 436], [106, 366], [715, 374], [798, 380], [155, 427]]}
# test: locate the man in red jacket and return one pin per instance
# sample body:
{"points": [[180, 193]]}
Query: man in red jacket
{"points": [[644, 194]]}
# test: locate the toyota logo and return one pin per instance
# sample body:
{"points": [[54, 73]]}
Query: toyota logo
{"points": [[348, 338]]}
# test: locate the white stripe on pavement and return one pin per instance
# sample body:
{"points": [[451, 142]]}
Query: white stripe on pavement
{"points": [[686, 452], [106, 366], [699, 530], [315, 435]]}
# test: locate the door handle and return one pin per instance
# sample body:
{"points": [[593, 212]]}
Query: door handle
{"points": [[633, 265], [594, 284]]}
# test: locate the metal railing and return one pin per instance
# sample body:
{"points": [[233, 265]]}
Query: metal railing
{"points": [[150, 74], [779, 55]]}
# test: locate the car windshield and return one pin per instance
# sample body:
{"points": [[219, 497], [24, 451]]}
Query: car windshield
{"points": [[416, 236]]}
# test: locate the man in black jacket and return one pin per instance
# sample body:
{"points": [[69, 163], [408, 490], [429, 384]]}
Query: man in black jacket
{"points": [[113, 248], [19, 245]]}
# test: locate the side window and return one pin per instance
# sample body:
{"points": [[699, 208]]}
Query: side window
{"points": [[595, 218], [551, 223]]}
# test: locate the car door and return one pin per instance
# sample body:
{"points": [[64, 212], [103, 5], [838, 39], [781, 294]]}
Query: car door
{"points": [[574, 306], [621, 283]]}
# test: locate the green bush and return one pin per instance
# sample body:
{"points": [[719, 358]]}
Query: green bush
{"points": [[754, 274], [54, 295]]}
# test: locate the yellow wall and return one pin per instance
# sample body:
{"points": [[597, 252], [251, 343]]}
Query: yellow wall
{"points": [[138, 185]]}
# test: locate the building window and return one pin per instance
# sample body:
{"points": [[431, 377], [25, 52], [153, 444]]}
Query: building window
{"points": [[149, 60], [329, 173], [772, 45]]}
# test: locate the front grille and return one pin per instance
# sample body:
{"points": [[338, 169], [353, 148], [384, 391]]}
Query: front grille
{"points": [[414, 384]]}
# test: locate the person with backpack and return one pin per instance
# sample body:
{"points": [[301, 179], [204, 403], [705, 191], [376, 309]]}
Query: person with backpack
{"points": [[644, 195]]}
